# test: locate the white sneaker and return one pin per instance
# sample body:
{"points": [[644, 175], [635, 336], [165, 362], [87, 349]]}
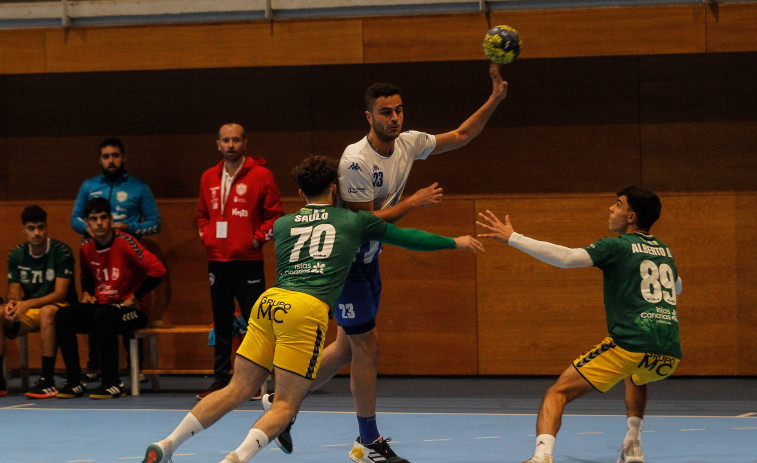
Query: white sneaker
{"points": [[376, 452], [284, 439], [630, 452], [541, 459]]}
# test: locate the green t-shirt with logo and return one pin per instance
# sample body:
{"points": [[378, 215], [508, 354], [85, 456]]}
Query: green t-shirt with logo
{"points": [[639, 292], [315, 247], [37, 275]]}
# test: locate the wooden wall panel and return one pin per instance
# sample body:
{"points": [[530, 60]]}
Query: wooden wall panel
{"points": [[500, 312], [698, 126], [731, 26], [637, 30], [535, 318], [281, 43], [22, 51], [424, 38], [427, 320], [608, 31]]}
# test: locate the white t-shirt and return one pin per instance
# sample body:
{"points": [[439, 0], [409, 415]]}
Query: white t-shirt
{"points": [[365, 175]]}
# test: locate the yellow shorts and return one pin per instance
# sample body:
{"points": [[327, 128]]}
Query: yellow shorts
{"points": [[287, 329], [606, 364], [30, 321]]}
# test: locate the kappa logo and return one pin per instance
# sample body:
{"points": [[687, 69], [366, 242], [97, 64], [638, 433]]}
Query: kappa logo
{"points": [[354, 166]]}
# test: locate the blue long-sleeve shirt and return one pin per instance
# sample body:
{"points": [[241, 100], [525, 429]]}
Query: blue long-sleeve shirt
{"points": [[131, 200]]}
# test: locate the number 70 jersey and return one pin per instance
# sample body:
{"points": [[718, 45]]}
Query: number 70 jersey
{"points": [[639, 292], [315, 248]]}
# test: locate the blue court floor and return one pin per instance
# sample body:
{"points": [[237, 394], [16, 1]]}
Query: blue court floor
{"points": [[429, 419]]}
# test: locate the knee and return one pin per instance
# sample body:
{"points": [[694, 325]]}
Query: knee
{"points": [[366, 349], [47, 315]]}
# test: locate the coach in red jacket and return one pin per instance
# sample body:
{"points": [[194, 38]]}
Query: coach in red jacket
{"points": [[239, 202]]}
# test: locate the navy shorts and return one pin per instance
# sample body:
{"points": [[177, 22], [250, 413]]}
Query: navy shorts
{"points": [[358, 305]]}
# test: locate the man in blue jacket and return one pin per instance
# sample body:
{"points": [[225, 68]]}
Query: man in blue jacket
{"points": [[132, 202]]}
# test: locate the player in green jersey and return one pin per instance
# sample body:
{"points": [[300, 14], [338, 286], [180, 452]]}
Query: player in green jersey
{"points": [[40, 273], [314, 250], [640, 288]]}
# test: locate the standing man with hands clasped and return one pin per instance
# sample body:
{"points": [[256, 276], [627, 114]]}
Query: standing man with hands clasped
{"points": [[239, 201], [641, 285]]}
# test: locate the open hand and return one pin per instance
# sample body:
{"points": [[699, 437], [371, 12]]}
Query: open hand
{"points": [[499, 231]]}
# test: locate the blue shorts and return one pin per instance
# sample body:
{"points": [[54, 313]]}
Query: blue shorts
{"points": [[357, 307]]}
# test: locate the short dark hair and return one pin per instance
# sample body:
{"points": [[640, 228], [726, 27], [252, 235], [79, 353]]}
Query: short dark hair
{"points": [[33, 214], [645, 203], [96, 205], [377, 90], [315, 174], [112, 141]]}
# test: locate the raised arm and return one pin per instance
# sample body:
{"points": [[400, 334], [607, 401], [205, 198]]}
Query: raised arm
{"points": [[550, 253], [472, 126]]}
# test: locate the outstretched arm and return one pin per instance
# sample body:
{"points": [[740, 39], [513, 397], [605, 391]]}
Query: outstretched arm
{"points": [[419, 240], [472, 126], [550, 253]]}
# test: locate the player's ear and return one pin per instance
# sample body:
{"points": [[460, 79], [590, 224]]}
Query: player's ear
{"points": [[302, 195], [369, 117]]}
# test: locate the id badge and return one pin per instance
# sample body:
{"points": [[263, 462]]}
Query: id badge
{"points": [[222, 229]]}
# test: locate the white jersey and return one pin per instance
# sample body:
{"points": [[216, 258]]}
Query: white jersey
{"points": [[365, 175]]}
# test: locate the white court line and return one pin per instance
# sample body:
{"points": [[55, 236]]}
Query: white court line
{"points": [[435, 440], [696, 429], [16, 407], [489, 437]]}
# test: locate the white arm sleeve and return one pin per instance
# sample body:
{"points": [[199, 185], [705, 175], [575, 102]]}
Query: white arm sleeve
{"points": [[679, 285], [552, 254]]}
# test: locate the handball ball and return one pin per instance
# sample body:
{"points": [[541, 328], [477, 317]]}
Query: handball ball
{"points": [[502, 44]]}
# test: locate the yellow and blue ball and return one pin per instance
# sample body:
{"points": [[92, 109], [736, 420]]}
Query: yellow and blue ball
{"points": [[502, 44]]}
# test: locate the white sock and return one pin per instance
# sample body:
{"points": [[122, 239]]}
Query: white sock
{"points": [[545, 443], [188, 427], [634, 429], [255, 441]]}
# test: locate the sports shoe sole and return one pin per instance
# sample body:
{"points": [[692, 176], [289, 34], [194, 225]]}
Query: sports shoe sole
{"points": [[32, 395], [153, 454]]}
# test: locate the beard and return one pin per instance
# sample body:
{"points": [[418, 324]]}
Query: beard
{"points": [[113, 176]]}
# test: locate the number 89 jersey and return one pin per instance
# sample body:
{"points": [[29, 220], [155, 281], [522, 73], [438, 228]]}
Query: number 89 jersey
{"points": [[639, 293], [316, 245]]}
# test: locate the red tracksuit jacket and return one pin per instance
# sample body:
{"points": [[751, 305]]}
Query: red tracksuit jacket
{"points": [[117, 271], [252, 206]]}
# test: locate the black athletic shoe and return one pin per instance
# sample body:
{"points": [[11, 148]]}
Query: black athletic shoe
{"points": [[43, 389], [90, 376], [377, 451], [109, 392], [70, 391], [283, 440]]}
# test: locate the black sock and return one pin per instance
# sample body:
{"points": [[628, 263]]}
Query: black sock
{"points": [[48, 368]]}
